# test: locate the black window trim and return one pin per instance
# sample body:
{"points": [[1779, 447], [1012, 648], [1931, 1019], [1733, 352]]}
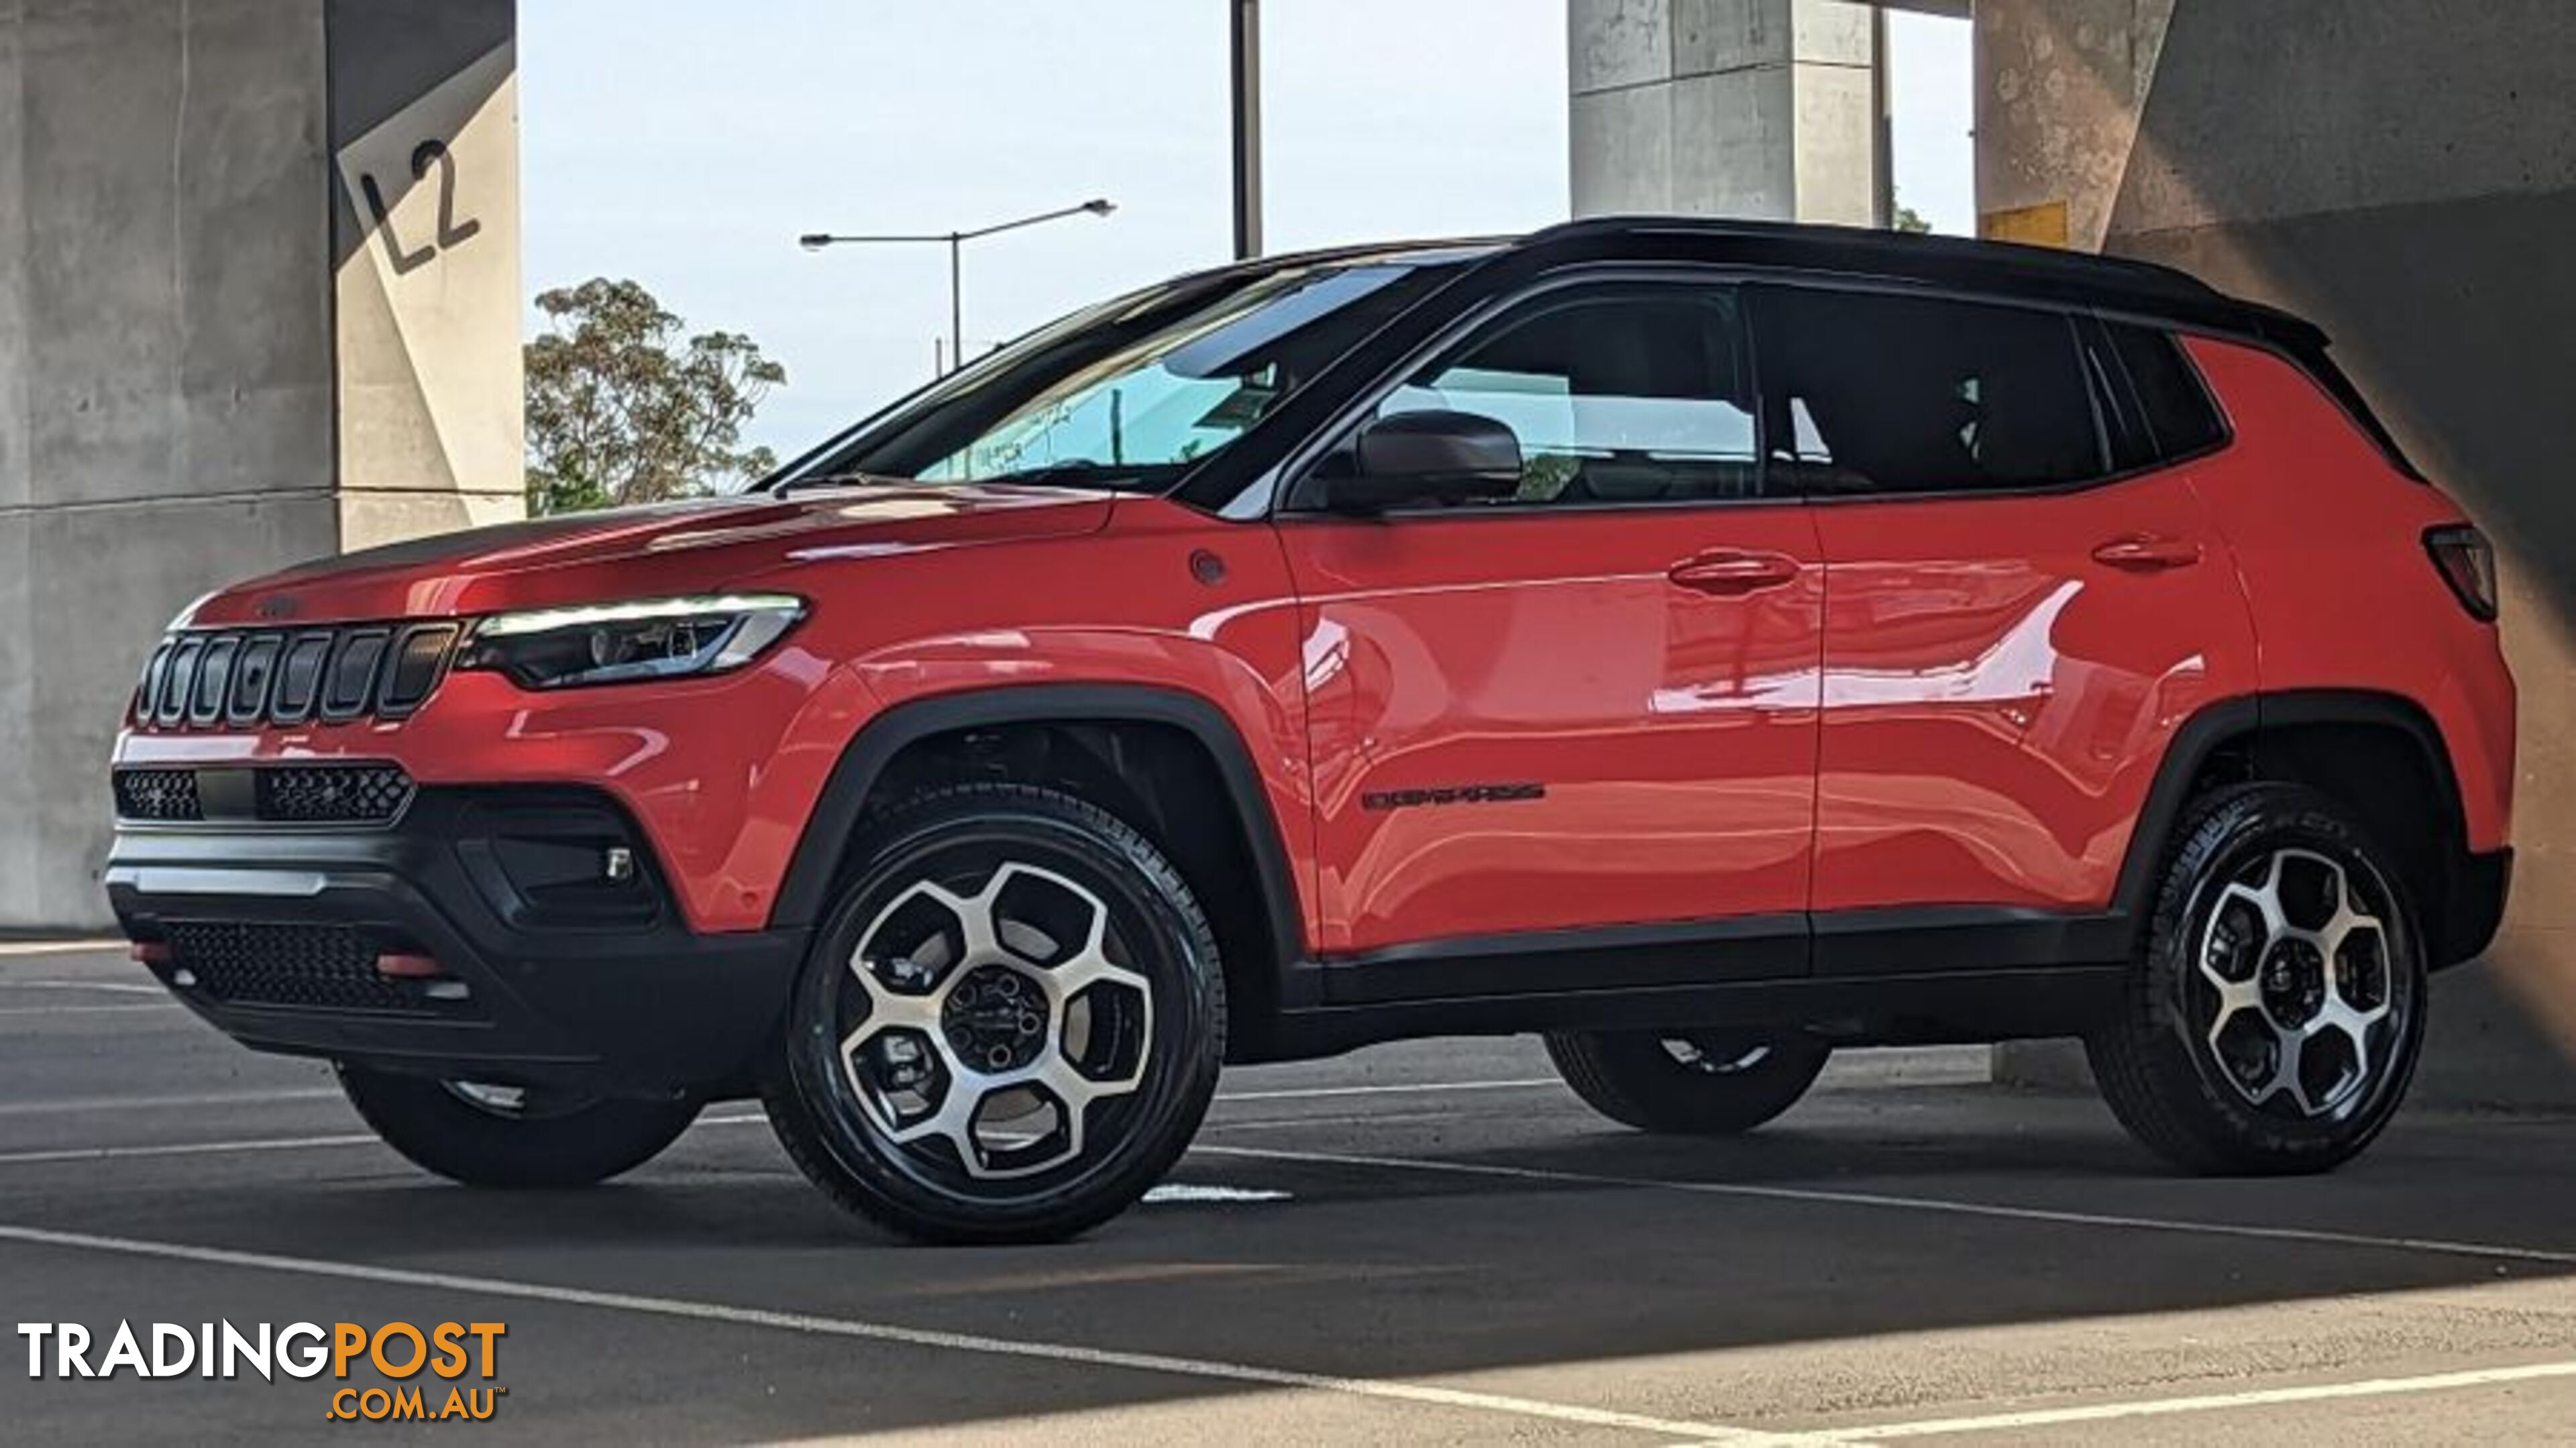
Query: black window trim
{"points": [[2209, 396], [1292, 475], [2173, 335], [2117, 403], [2076, 316], [2305, 360], [1287, 478]]}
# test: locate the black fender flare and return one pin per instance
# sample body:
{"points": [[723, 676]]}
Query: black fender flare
{"points": [[804, 895], [2249, 717]]}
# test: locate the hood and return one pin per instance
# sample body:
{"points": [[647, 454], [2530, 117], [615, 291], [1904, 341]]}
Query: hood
{"points": [[659, 549]]}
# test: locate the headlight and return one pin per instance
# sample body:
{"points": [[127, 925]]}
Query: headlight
{"points": [[615, 643]]}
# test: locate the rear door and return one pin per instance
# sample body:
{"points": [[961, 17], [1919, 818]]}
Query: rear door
{"points": [[1591, 705], [2023, 603]]}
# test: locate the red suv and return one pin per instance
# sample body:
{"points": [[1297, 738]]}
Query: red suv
{"points": [[1706, 644]]}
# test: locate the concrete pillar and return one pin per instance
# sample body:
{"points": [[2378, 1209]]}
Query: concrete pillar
{"points": [[2405, 175], [1754, 108], [216, 358]]}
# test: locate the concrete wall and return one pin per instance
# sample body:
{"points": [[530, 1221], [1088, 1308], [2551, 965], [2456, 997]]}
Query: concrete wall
{"points": [[181, 377], [428, 301], [1754, 108], [2406, 175]]}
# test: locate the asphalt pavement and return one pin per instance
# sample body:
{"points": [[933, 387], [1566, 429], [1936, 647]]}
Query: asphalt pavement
{"points": [[1431, 1242]]}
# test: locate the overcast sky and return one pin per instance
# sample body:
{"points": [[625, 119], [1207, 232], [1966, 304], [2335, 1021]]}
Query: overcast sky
{"points": [[686, 145]]}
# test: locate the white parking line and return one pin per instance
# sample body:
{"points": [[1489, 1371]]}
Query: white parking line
{"points": [[1170, 1193], [1393, 1088], [163, 1103], [2203, 1403], [182, 1148], [109, 1104], [91, 1010], [117, 987], [1383, 1390], [1311, 1123], [303, 1143], [58, 1154], [1998, 1210], [2490, 1251], [59, 947]]}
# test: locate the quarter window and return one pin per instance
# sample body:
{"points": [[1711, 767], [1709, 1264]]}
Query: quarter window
{"points": [[1879, 394], [2177, 410], [1630, 394]]}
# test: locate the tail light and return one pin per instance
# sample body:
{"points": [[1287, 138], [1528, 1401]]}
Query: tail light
{"points": [[2468, 564]]}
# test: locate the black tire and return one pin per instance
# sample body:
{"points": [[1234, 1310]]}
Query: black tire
{"points": [[550, 1141], [838, 1097], [2192, 1077], [1687, 1083]]}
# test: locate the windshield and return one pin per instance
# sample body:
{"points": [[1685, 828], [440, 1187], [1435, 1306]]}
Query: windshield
{"points": [[1129, 394]]}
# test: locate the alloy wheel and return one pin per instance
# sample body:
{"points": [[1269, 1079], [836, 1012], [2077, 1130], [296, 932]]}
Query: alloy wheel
{"points": [[986, 1027], [1718, 1053], [512, 1102], [2296, 994]]}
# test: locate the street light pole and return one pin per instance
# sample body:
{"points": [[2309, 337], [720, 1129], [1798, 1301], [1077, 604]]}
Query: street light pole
{"points": [[1245, 34], [956, 243]]}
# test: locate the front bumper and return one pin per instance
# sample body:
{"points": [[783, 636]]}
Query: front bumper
{"points": [[548, 971]]}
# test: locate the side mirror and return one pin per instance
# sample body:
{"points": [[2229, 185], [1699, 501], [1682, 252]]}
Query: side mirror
{"points": [[1428, 457]]}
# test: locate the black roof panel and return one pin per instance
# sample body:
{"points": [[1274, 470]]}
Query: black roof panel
{"points": [[2069, 278]]}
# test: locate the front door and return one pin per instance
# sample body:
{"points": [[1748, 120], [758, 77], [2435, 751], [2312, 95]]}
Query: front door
{"points": [[1590, 706]]}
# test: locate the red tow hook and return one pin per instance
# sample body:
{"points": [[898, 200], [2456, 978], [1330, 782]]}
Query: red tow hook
{"points": [[435, 982]]}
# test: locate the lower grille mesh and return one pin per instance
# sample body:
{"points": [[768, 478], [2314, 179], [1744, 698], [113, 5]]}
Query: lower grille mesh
{"points": [[298, 794], [157, 794], [330, 967], [333, 794]]}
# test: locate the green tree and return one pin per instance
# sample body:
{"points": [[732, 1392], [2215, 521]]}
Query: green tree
{"points": [[1909, 219], [625, 407]]}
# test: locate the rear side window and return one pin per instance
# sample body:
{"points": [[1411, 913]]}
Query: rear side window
{"points": [[1874, 394], [2178, 416]]}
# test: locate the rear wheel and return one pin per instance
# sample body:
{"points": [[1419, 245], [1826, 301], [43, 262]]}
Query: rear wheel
{"points": [[2275, 1017], [1693, 1083], [1011, 1025], [488, 1134]]}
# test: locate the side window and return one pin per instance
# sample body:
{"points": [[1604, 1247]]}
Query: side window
{"points": [[1879, 394], [1634, 393], [2179, 415]]}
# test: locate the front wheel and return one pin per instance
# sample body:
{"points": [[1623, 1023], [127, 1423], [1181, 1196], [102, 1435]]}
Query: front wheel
{"points": [[2275, 1016], [487, 1134], [1009, 1028], [1687, 1083]]}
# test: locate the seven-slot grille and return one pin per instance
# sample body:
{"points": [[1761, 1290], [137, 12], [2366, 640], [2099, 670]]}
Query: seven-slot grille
{"points": [[245, 678], [292, 794], [332, 967]]}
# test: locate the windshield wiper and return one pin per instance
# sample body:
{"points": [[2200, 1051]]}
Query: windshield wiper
{"points": [[837, 480], [1080, 470], [1083, 471]]}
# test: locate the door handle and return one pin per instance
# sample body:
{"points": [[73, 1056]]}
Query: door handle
{"points": [[2148, 553], [1735, 574]]}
